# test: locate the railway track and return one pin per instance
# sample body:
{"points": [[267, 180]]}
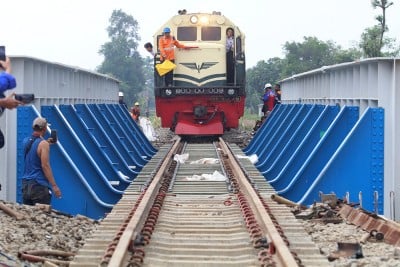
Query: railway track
{"points": [[174, 215]]}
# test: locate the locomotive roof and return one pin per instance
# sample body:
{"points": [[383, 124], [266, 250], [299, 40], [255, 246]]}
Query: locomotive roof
{"points": [[175, 20]]}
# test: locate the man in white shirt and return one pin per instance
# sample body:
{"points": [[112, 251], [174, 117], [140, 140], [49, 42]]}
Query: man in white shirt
{"points": [[230, 63]]}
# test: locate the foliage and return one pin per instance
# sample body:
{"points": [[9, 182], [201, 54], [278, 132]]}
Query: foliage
{"points": [[370, 43], [372, 39], [121, 58], [313, 53], [346, 55], [383, 4], [310, 54], [147, 96], [299, 57], [155, 121]]}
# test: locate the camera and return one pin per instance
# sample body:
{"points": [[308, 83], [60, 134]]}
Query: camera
{"points": [[2, 53], [53, 136], [25, 98]]}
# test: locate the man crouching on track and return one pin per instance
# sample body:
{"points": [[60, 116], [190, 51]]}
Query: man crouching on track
{"points": [[38, 180]]}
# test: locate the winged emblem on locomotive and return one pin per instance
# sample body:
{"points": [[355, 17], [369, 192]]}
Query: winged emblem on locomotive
{"points": [[198, 67]]}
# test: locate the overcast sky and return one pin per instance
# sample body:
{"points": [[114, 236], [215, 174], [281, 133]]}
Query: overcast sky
{"points": [[72, 31]]}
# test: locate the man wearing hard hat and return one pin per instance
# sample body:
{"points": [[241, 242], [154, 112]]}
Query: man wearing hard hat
{"points": [[136, 112], [121, 99], [268, 99], [167, 44]]}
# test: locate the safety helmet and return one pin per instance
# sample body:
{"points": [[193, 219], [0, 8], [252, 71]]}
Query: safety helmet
{"points": [[267, 85], [166, 30], [137, 104], [120, 94]]}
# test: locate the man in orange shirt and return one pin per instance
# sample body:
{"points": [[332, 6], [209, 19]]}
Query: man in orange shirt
{"points": [[167, 44]]}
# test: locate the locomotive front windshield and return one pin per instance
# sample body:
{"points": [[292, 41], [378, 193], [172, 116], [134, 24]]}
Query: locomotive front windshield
{"points": [[187, 33], [207, 33], [211, 33]]}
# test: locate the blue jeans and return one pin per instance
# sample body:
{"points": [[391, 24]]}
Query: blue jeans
{"points": [[33, 192]]}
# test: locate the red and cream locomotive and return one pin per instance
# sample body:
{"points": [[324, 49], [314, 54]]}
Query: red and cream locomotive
{"points": [[207, 95]]}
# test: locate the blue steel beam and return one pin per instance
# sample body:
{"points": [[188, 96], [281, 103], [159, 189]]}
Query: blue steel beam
{"points": [[320, 155], [356, 166], [276, 164], [268, 128], [312, 137], [123, 135], [81, 157], [265, 127], [127, 140], [103, 139], [268, 148], [108, 167], [118, 140], [134, 129], [133, 132]]}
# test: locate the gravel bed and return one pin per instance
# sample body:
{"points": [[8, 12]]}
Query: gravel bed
{"points": [[40, 230], [375, 253], [49, 230]]}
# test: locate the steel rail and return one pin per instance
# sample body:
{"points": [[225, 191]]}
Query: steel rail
{"points": [[284, 256], [135, 224]]}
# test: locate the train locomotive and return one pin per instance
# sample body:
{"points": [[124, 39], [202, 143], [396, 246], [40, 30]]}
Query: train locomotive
{"points": [[202, 100]]}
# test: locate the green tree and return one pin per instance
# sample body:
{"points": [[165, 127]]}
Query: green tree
{"points": [[147, 96], [373, 40], [370, 43], [121, 58], [383, 4], [313, 53], [346, 55], [299, 57]]}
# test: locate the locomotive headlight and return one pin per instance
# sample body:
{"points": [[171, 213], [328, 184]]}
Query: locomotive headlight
{"points": [[194, 19], [231, 91], [168, 92], [204, 20]]}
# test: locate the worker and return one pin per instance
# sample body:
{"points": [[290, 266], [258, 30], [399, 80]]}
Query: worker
{"points": [[136, 112], [278, 94], [121, 100], [268, 99], [167, 44]]}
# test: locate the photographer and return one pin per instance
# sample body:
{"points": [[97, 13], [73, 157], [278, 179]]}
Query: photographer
{"points": [[9, 102], [7, 82], [38, 181]]}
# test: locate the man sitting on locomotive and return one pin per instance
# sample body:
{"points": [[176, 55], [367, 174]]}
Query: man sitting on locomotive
{"points": [[230, 60], [167, 45]]}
